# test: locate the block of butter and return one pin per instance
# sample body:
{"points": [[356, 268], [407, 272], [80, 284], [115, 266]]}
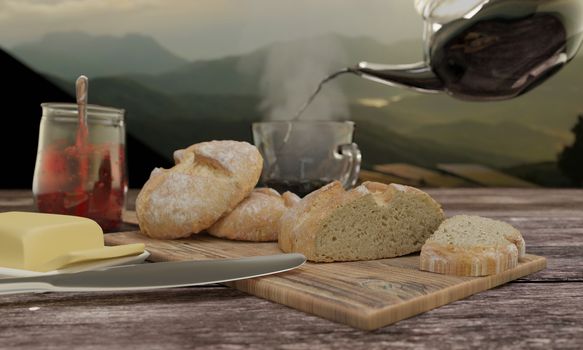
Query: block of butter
{"points": [[46, 242]]}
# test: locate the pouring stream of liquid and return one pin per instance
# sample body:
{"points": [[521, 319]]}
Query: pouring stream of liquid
{"points": [[311, 99], [318, 89]]}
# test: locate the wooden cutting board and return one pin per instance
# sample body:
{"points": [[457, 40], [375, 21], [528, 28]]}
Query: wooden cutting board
{"points": [[365, 294]]}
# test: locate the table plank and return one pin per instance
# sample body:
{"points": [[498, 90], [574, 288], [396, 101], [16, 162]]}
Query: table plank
{"points": [[215, 318], [564, 264]]}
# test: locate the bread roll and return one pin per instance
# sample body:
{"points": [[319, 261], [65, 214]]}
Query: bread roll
{"points": [[372, 221], [256, 218], [472, 246], [209, 180]]}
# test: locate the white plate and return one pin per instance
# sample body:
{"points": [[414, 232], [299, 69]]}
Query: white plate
{"points": [[91, 265]]}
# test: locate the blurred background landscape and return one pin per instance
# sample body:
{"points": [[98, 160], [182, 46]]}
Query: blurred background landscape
{"points": [[187, 72]]}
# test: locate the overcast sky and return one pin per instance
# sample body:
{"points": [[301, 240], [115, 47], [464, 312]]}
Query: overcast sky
{"points": [[209, 28]]}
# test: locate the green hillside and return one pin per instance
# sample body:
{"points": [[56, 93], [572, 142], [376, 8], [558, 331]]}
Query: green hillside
{"points": [[505, 139], [545, 174], [215, 77], [380, 145]]}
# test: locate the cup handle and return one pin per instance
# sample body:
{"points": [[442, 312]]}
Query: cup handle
{"points": [[352, 152]]}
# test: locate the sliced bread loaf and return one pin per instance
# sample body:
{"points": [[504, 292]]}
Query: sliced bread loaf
{"points": [[472, 246], [372, 221]]}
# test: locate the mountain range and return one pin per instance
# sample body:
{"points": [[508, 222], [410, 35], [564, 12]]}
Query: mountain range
{"points": [[177, 103], [242, 75], [70, 54]]}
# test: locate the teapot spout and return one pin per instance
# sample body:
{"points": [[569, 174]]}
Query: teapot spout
{"points": [[417, 76]]}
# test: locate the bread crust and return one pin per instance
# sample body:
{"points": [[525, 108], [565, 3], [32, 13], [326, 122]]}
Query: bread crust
{"points": [[476, 260], [208, 180], [256, 218], [302, 225], [298, 224]]}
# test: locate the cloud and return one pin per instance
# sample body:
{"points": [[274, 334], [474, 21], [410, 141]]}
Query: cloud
{"points": [[293, 71], [199, 29], [66, 8]]}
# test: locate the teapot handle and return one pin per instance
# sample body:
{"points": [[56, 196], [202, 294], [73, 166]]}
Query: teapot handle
{"points": [[352, 152]]}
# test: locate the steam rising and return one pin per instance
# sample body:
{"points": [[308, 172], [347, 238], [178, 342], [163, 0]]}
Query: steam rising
{"points": [[292, 72]]}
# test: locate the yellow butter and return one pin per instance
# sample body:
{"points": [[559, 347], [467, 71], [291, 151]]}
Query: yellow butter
{"points": [[45, 242]]}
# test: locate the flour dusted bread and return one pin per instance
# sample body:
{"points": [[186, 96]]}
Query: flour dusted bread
{"points": [[208, 180], [472, 246], [256, 218], [372, 221]]}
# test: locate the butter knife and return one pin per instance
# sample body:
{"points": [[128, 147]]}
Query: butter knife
{"points": [[155, 275]]}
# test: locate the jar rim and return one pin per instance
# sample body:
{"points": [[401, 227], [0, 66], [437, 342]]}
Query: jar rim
{"points": [[306, 122], [71, 109]]}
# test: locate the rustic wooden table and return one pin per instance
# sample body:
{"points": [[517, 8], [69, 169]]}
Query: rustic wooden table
{"points": [[544, 310]]}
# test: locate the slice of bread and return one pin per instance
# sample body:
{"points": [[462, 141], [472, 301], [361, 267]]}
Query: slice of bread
{"points": [[208, 181], [372, 221], [256, 218], [472, 246]]}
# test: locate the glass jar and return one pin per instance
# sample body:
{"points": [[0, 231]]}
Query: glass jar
{"points": [[82, 176]]}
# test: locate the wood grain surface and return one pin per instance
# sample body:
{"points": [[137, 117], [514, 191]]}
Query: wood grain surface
{"points": [[363, 294], [540, 311]]}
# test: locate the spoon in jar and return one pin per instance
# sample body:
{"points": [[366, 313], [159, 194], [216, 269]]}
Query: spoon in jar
{"points": [[78, 196], [81, 89]]}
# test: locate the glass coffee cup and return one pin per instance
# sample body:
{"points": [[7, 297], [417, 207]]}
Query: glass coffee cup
{"points": [[81, 177], [302, 156]]}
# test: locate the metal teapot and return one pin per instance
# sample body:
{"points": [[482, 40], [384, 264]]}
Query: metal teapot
{"points": [[487, 49]]}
